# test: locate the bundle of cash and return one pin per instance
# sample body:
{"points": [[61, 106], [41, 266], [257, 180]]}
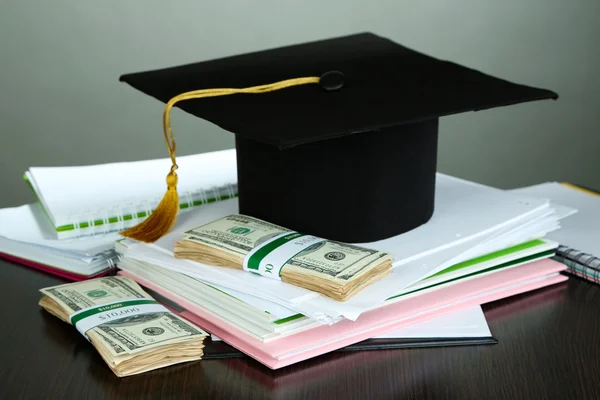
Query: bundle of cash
{"points": [[130, 330], [334, 269]]}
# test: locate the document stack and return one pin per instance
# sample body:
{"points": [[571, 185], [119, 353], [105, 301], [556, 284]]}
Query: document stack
{"points": [[579, 236], [481, 245]]}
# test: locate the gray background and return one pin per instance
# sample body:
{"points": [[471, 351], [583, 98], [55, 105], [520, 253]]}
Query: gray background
{"points": [[61, 102]]}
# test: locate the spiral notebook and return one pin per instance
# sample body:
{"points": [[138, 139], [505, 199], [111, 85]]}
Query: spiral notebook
{"points": [[97, 199]]}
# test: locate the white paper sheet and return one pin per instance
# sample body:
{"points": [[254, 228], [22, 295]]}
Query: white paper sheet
{"points": [[467, 323], [29, 225], [580, 231], [57, 260]]}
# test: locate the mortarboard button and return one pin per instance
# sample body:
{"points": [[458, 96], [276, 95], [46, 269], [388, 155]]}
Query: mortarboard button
{"points": [[332, 80]]}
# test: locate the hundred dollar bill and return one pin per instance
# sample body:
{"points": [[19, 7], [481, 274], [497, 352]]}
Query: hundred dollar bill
{"points": [[77, 296], [239, 234], [121, 333], [235, 234], [146, 331]]}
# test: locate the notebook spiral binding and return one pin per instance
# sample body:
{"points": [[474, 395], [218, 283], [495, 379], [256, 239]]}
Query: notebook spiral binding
{"points": [[579, 263], [128, 214]]}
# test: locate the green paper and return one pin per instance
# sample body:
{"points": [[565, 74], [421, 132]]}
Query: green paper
{"points": [[490, 256], [532, 257]]}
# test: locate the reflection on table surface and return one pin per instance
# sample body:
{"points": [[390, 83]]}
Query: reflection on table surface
{"points": [[547, 349]]}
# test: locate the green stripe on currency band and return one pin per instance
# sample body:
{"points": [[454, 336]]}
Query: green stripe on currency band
{"points": [[110, 307], [257, 257]]}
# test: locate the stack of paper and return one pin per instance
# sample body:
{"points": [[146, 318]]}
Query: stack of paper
{"points": [[580, 235], [26, 237], [582, 231], [482, 244], [469, 222], [72, 229]]}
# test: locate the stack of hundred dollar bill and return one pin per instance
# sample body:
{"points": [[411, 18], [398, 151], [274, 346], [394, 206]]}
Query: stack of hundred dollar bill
{"points": [[334, 269], [130, 330]]}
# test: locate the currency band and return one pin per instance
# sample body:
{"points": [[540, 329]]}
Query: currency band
{"points": [[91, 317], [268, 258]]}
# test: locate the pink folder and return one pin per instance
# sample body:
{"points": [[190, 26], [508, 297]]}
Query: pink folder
{"points": [[326, 338]]}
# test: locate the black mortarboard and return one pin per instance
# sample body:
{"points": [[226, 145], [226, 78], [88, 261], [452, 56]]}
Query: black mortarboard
{"points": [[354, 163]]}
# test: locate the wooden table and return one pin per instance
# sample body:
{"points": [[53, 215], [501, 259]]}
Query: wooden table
{"points": [[548, 349]]}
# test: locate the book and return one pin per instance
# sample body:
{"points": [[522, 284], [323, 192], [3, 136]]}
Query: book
{"points": [[99, 199], [579, 236], [580, 264]]}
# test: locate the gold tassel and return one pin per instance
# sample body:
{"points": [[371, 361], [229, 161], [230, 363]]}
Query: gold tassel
{"points": [[162, 219]]}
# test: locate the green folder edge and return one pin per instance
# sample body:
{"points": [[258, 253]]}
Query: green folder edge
{"points": [[469, 263], [112, 220]]}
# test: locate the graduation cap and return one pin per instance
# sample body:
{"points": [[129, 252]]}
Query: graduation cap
{"points": [[336, 138]]}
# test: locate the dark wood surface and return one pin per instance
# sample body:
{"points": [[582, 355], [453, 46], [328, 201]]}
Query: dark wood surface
{"points": [[548, 349]]}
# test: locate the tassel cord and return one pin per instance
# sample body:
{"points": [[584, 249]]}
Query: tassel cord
{"points": [[163, 218]]}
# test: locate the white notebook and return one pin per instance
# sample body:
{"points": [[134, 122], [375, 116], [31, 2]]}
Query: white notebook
{"points": [[96, 199]]}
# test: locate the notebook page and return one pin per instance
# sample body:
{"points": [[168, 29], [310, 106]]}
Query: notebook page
{"points": [[84, 193]]}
